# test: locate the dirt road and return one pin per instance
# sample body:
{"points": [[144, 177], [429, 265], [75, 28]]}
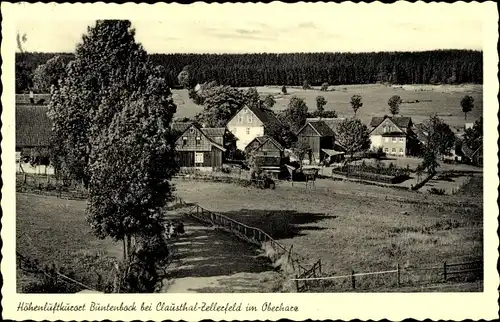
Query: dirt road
{"points": [[210, 261]]}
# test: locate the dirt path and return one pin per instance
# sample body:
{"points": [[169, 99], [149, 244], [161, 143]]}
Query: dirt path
{"points": [[210, 261]]}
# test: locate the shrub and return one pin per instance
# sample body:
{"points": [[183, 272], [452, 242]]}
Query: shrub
{"points": [[434, 191]]}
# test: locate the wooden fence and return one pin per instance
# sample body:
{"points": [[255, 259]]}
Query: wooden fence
{"points": [[51, 186], [395, 277], [251, 235]]}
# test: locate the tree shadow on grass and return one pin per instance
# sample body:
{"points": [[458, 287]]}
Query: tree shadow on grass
{"points": [[279, 224]]}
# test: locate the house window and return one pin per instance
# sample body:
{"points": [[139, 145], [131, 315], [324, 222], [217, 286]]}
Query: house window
{"points": [[250, 119], [401, 151], [191, 130], [248, 130], [401, 139], [394, 139], [390, 128], [386, 140], [264, 153], [386, 150], [184, 141], [240, 119], [385, 129], [198, 157], [393, 150], [198, 140]]}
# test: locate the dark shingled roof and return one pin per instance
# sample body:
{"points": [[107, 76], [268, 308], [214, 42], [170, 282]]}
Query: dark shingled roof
{"points": [[214, 131], [420, 132], [401, 121], [321, 127], [266, 116], [332, 122], [33, 126], [180, 127]]}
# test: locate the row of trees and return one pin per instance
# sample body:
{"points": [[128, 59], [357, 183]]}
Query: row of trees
{"points": [[246, 70]]}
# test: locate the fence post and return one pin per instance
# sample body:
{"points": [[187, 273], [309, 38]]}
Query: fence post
{"points": [[297, 282], [399, 275], [353, 280], [444, 272], [24, 180], [319, 263]]}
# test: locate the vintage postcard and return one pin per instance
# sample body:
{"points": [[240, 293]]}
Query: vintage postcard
{"points": [[249, 161]]}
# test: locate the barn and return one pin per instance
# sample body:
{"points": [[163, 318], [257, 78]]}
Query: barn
{"points": [[200, 147], [267, 150]]}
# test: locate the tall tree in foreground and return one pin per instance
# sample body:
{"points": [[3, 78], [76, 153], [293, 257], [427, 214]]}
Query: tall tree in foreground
{"points": [[354, 136], [47, 75], [467, 104], [111, 124], [394, 103], [356, 103]]}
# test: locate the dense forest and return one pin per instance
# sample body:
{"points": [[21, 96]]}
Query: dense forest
{"points": [[428, 67]]}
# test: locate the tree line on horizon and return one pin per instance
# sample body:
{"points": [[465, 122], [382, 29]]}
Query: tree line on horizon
{"points": [[293, 69]]}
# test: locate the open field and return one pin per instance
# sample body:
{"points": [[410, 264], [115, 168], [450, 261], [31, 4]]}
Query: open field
{"points": [[365, 228], [441, 99], [53, 230]]}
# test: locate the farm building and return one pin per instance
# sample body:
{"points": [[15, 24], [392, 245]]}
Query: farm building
{"points": [[249, 123], [201, 147], [33, 131], [473, 156], [321, 139], [267, 150], [392, 134]]}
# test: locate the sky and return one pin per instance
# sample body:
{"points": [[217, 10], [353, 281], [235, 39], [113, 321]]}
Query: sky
{"points": [[275, 27]]}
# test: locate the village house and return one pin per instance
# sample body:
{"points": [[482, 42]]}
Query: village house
{"points": [[320, 137], [33, 132], [199, 147], [392, 134], [249, 123], [267, 150]]}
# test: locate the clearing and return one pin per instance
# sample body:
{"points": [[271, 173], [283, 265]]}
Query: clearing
{"points": [[441, 99], [355, 226]]}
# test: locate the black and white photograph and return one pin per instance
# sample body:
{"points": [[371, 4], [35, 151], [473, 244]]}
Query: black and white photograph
{"points": [[219, 148]]}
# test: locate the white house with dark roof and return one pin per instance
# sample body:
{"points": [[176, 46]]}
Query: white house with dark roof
{"points": [[391, 134], [249, 123]]}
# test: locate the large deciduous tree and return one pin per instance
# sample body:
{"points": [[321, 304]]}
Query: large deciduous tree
{"points": [[354, 136], [184, 77], [47, 75], [295, 114], [111, 124], [269, 101], [394, 103], [440, 137], [473, 137], [220, 103], [467, 104], [356, 103]]}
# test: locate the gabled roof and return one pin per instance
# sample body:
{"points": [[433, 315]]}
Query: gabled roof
{"points": [[319, 127], [181, 127], [266, 116], [265, 138], [214, 131], [202, 130], [401, 121], [33, 126], [332, 122], [468, 152]]}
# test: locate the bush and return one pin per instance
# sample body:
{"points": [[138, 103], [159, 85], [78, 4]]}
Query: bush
{"points": [[434, 191]]}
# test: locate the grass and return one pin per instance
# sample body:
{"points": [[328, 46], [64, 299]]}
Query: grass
{"points": [[365, 228], [53, 230], [444, 100]]}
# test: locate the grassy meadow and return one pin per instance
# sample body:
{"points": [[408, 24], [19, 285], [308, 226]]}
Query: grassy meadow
{"points": [[365, 228], [52, 230], [441, 99]]}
